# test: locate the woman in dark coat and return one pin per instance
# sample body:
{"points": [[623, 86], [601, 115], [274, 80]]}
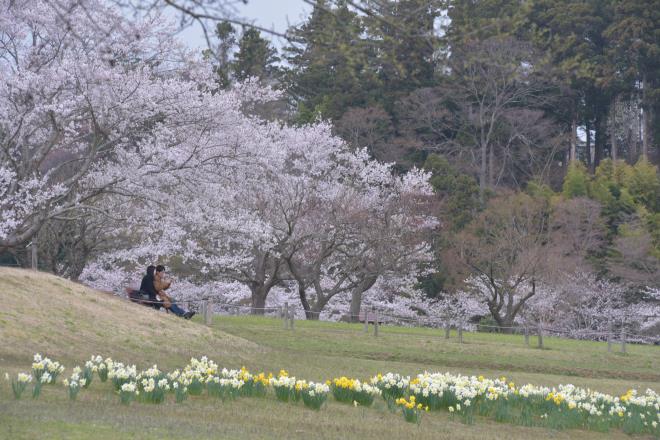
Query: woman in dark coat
{"points": [[147, 287]]}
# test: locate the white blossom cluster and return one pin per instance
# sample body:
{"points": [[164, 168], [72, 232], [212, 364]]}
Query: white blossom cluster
{"points": [[315, 388], [391, 381], [76, 380], [46, 370], [283, 382]]}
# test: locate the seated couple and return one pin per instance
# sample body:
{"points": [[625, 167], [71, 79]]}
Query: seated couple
{"points": [[154, 284]]}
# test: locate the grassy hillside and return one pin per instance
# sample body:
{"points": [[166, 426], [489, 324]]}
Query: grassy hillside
{"points": [[69, 322]]}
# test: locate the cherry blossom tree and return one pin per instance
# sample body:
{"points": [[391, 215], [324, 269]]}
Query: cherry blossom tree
{"points": [[395, 236], [504, 250], [372, 227], [94, 103], [579, 304], [245, 222]]}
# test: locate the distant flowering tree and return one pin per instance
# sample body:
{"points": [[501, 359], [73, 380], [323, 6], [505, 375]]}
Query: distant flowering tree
{"points": [[372, 228], [503, 247], [582, 304]]}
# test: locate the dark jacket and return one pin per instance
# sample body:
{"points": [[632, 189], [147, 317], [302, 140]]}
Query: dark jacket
{"points": [[147, 287]]}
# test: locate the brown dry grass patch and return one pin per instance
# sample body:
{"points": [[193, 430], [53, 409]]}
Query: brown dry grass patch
{"points": [[68, 321]]}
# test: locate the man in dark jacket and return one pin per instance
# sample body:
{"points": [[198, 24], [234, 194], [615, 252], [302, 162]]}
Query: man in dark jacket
{"points": [[161, 284]]}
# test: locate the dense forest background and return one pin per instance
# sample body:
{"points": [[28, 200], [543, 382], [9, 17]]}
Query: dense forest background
{"points": [[539, 121]]}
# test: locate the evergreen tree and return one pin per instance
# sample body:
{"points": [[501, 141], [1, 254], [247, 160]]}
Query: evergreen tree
{"points": [[576, 182], [460, 204], [226, 35], [478, 20], [459, 192], [643, 183], [571, 34], [329, 63], [402, 31], [634, 36], [255, 57]]}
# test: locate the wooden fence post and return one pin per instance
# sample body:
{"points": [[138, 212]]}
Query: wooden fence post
{"points": [[285, 315], [207, 312], [540, 331], [526, 336], [292, 318], [366, 321], [447, 329], [609, 337], [623, 339], [375, 321], [460, 332]]}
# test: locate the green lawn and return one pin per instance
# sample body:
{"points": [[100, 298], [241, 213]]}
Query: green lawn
{"points": [[337, 348], [69, 323]]}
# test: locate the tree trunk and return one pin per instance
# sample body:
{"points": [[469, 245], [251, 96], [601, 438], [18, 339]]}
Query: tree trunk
{"points": [[631, 143], [302, 288], [506, 319], [258, 302], [573, 152], [356, 297], [646, 126], [262, 283], [599, 141], [483, 168], [356, 304], [590, 152], [614, 151], [507, 325], [303, 300], [496, 316], [613, 140], [491, 166], [315, 312]]}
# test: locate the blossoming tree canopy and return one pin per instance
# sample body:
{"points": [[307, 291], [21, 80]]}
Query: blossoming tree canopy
{"points": [[373, 226], [302, 188], [91, 101]]}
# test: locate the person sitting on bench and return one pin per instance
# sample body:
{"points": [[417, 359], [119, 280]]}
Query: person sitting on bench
{"points": [[161, 284], [147, 288]]}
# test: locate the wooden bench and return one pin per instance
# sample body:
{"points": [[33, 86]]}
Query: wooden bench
{"points": [[142, 299]]}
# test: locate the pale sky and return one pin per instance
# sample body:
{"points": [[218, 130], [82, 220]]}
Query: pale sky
{"points": [[275, 14], [270, 14]]}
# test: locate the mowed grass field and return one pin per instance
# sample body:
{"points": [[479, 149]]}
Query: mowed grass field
{"points": [[68, 322]]}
